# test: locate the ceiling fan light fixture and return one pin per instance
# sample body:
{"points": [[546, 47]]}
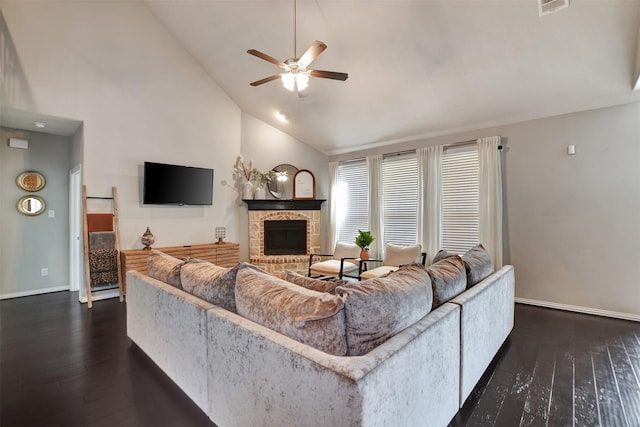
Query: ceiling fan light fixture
{"points": [[302, 81], [288, 81]]}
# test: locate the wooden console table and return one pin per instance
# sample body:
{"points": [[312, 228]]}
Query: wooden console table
{"points": [[223, 254]]}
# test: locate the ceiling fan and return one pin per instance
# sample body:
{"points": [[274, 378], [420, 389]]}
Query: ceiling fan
{"points": [[295, 75]]}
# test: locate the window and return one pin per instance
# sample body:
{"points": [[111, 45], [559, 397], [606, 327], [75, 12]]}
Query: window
{"points": [[353, 199], [460, 224], [400, 199]]}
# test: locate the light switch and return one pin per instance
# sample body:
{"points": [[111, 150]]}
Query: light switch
{"points": [[571, 149], [52, 213]]}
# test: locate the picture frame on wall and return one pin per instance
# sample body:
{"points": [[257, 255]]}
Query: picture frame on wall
{"points": [[304, 185]]}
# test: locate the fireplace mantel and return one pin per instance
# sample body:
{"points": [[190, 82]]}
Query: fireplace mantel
{"points": [[286, 205]]}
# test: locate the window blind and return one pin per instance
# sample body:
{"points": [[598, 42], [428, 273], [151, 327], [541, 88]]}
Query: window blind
{"points": [[460, 192], [400, 199], [353, 199]]}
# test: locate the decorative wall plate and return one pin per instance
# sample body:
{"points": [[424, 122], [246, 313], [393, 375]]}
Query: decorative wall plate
{"points": [[31, 181]]}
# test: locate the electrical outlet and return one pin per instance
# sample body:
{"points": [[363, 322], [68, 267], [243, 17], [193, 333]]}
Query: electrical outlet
{"points": [[44, 271]]}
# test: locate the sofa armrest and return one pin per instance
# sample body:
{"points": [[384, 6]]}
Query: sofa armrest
{"points": [[169, 325], [486, 319]]}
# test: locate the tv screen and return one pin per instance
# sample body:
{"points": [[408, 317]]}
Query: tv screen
{"points": [[177, 185]]}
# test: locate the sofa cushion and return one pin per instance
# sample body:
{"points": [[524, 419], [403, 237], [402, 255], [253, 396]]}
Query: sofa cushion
{"points": [[310, 317], [346, 250], [311, 283], [213, 283], [165, 268], [376, 309], [448, 279], [396, 255], [478, 264], [442, 254]]}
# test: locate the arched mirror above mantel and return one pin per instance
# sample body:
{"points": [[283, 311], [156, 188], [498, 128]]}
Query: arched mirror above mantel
{"points": [[281, 186], [31, 205]]}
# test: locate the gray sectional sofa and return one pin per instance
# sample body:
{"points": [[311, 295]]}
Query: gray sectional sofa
{"points": [[243, 374]]}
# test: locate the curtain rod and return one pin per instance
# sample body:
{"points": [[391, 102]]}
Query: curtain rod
{"points": [[399, 153]]}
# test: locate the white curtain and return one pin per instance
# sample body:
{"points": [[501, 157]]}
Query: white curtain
{"points": [[376, 219], [430, 200], [490, 197], [334, 222]]}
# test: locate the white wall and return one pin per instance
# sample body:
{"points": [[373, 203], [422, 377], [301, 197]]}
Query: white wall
{"points": [[269, 147], [30, 243], [571, 222], [140, 97]]}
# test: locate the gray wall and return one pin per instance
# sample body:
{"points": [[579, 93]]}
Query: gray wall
{"points": [[30, 243], [571, 222]]}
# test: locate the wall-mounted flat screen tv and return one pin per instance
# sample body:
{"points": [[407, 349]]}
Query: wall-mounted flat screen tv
{"points": [[177, 185]]}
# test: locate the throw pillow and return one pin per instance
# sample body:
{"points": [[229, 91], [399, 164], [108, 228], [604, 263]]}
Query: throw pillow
{"points": [[396, 255], [310, 317], [378, 308], [311, 283], [165, 268], [478, 264], [442, 254], [448, 279], [212, 283]]}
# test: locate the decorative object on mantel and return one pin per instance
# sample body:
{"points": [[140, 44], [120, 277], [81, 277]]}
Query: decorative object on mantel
{"points": [[260, 180], [244, 172], [220, 234], [304, 185], [281, 187], [147, 239], [31, 181], [364, 240]]}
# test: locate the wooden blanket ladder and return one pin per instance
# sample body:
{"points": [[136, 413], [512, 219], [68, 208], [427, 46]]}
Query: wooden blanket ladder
{"points": [[101, 247]]}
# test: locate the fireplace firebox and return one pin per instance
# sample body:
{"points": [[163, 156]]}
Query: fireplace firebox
{"points": [[287, 237]]}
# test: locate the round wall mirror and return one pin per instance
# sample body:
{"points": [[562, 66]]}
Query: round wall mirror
{"points": [[31, 181], [31, 205], [281, 186]]}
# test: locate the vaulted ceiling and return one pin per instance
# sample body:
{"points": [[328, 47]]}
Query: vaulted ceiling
{"points": [[417, 68]]}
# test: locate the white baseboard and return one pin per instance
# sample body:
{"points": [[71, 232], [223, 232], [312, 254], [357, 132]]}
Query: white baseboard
{"points": [[578, 309], [99, 295], [34, 292]]}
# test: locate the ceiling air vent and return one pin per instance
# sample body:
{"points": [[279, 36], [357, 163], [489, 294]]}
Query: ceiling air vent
{"points": [[549, 6]]}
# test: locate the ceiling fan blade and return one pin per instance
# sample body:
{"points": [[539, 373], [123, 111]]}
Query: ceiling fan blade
{"points": [[265, 80], [316, 48], [329, 75], [266, 57]]}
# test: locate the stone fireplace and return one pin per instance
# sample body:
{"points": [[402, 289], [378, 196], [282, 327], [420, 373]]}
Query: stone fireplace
{"points": [[290, 235]]}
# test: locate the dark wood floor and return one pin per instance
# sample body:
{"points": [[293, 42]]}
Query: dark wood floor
{"points": [[64, 365]]}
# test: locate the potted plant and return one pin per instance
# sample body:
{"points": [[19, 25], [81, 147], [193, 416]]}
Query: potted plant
{"points": [[363, 241]]}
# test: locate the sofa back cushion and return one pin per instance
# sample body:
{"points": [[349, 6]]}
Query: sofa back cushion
{"points": [[378, 308], [165, 268], [310, 317], [212, 283], [448, 279], [311, 283], [397, 255], [478, 264]]}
